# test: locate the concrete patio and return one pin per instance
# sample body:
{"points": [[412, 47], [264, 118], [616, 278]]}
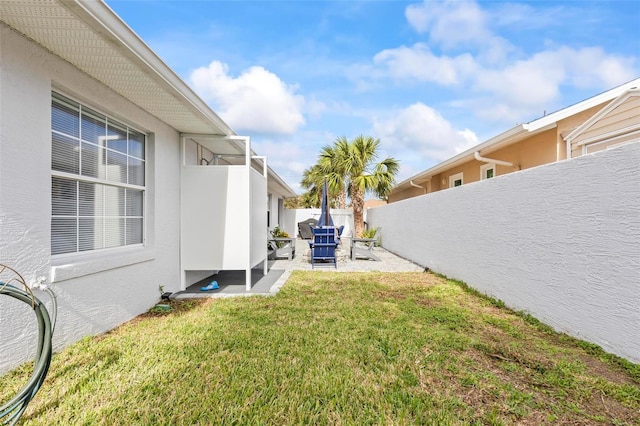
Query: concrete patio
{"points": [[232, 283]]}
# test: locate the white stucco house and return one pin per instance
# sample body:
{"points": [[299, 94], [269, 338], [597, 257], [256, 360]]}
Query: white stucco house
{"points": [[115, 177]]}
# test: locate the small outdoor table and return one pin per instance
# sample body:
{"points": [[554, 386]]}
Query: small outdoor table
{"points": [[366, 250], [287, 250]]}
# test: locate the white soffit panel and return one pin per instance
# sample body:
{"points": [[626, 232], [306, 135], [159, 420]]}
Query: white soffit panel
{"points": [[56, 28]]}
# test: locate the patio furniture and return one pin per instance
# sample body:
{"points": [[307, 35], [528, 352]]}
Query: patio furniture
{"points": [[363, 248], [305, 228], [324, 244], [340, 230], [282, 247]]}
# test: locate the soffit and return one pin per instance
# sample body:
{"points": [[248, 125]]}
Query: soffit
{"points": [[98, 51]]}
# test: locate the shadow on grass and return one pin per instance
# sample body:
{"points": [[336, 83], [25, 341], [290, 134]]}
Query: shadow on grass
{"points": [[99, 361], [178, 307]]}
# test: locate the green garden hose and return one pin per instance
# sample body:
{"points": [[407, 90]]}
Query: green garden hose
{"points": [[11, 412]]}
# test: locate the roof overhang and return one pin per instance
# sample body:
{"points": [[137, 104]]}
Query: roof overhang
{"points": [[89, 35], [632, 92], [515, 134], [509, 137]]}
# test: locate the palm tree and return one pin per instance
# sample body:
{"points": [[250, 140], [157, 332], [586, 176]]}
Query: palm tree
{"points": [[332, 167], [350, 169], [364, 175], [311, 181], [328, 167]]}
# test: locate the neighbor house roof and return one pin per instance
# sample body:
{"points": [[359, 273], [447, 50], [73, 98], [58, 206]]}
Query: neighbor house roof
{"points": [[518, 133], [89, 35], [633, 128]]}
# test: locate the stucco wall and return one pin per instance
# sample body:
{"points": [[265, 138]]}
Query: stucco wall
{"points": [[95, 293], [559, 241]]}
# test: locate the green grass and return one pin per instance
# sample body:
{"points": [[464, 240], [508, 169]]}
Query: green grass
{"points": [[336, 348]]}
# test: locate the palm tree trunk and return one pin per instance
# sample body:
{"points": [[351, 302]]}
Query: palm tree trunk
{"points": [[342, 199], [357, 202]]}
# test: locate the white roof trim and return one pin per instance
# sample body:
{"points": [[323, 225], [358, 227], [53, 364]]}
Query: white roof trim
{"points": [[106, 22], [513, 133], [583, 105], [634, 91], [90, 36], [520, 131]]}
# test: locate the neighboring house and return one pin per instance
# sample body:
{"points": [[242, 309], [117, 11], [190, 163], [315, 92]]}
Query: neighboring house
{"points": [[374, 202], [105, 191], [608, 119]]}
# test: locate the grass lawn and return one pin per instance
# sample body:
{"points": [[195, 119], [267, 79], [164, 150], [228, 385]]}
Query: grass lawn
{"points": [[336, 348]]}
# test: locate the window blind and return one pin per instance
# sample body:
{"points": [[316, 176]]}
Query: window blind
{"points": [[98, 180]]}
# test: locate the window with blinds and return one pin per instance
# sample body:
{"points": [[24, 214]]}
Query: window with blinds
{"points": [[97, 180]]}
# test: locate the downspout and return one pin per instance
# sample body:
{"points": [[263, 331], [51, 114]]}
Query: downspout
{"points": [[477, 156], [417, 186]]}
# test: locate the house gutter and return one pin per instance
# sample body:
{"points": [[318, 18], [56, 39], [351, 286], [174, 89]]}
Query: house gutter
{"points": [[477, 156]]}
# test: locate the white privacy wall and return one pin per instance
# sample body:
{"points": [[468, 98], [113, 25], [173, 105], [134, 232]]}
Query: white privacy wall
{"points": [[95, 293], [291, 217], [561, 242], [258, 218], [215, 218]]}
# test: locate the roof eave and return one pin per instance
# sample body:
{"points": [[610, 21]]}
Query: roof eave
{"points": [[105, 21], [518, 132], [287, 192], [510, 136], [583, 105]]}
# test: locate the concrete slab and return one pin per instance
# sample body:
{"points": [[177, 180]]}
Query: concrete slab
{"points": [[232, 283]]}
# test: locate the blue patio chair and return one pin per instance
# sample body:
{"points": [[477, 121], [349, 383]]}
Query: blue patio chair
{"points": [[324, 244]]}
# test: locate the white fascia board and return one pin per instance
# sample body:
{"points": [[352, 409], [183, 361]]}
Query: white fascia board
{"points": [[582, 106], [603, 112], [536, 126], [99, 16], [514, 134]]}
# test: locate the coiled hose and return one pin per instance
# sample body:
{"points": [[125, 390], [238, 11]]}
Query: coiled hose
{"points": [[11, 412]]}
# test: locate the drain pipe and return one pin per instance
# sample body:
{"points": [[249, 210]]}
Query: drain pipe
{"points": [[477, 156], [415, 185]]}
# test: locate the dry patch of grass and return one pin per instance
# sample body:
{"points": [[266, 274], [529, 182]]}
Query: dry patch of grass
{"points": [[337, 348]]}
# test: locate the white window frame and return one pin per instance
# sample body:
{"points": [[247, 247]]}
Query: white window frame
{"points": [[109, 255], [484, 168], [454, 178]]}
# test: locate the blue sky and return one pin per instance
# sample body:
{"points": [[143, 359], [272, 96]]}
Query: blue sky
{"points": [[430, 79]]}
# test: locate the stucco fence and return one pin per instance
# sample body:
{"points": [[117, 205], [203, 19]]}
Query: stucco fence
{"points": [[560, 241]]}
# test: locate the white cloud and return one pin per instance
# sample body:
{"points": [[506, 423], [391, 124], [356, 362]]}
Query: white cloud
{"points": [[256, 101], [451, 24], [422, 131], [593, 67], [506, 85], [418, 62], [289, 156], [448, 22], [533, 85]]}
